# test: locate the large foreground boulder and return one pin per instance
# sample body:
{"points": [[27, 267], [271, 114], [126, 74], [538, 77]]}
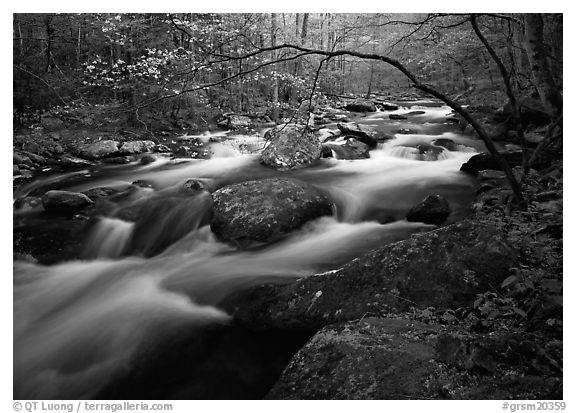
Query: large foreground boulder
{"points": [[266, 210], [364, 134], [65, 202], [444, 268], [97, 150], [290, 146], [399, 359], [434, 209], [361, 105]]}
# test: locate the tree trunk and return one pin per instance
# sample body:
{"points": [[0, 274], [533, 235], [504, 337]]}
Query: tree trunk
{"points": [[539, 66], [275, 81]]}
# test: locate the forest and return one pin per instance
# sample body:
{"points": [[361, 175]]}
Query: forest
{"points": [[288, 206]]}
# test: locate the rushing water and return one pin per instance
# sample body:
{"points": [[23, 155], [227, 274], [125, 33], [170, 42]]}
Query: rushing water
{"points": [[81, 326]]}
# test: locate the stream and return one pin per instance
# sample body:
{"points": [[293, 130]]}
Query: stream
{"points": [[138, 315]]}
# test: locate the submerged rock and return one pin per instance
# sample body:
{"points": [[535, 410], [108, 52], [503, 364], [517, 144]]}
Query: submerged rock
{"points": [[290, 146], [266, 210], [434, 209], [65, 202], [397, 117], [444, 268]]}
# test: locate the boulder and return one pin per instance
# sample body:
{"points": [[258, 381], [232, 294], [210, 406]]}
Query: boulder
{"points": [[97, 150], [485, 160], [374, 358], [233, 121], [434, 209], [361, 105], [364, 134], [399, 359], [193, 187], [65, 202], [239, 122], [290, 146], [40, 160], [136, 147], [100, 192], [446, 143], [397, 117], [147, 159], [266, 210], [444, 268]]}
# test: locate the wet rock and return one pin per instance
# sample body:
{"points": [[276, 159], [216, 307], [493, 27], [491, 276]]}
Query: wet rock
{"points": [[193, 186], [434, 209], [374, 358], [405, 131], [361, 105], [73, 162], [415, 113], [118, 160], [97, 150], [27, 202], [136, 147], [15, 170], [444, 268], [387, 106], [446, 143], [192, 152], [52, 240], [266, 210], [290, 146], [65, 202], [364, 134], [397, 117], [484, 160], [142, 183], [100, 192], [351, 150], [429, 152], [147, 159]]}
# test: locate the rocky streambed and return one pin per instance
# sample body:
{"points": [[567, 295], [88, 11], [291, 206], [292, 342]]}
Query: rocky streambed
{"points": [[274, 265]]}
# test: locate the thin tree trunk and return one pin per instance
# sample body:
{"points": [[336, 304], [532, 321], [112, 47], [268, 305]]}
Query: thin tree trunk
{"points": [[539, 66], [275, 81]]}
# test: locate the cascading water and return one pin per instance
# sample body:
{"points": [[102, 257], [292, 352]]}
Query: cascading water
{"points": [[81, 326]]}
